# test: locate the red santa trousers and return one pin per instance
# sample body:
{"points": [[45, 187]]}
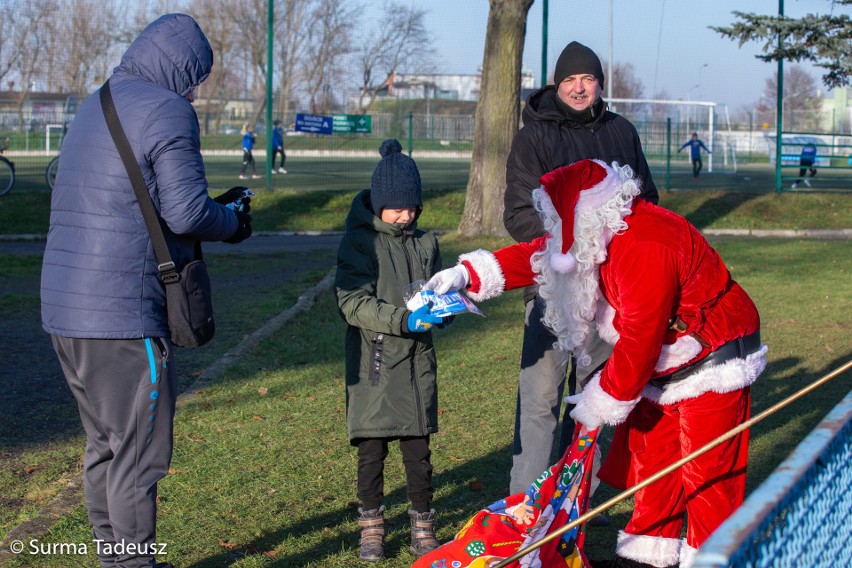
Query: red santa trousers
{"points": [[708, 489]]}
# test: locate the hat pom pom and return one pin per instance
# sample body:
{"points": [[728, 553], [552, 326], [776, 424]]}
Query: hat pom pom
{"points": [[563, 262], [391, 146]]}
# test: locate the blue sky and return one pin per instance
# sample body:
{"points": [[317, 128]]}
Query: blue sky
{"points": [[667, 41]]}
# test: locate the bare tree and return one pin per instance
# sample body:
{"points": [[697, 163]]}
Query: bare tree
{"points": [[250, 35], [290, 25], [34, 26], [400, 40], [625, 83], [10, 49], [81, 47], [222, 86], [328, 45], [497, 117], [802, 101]]}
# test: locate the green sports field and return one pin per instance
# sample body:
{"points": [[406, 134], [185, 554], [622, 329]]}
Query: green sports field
{"points": [[316, 192], [262, 473]]}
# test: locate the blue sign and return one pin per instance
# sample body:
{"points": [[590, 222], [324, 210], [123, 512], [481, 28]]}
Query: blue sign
{"points": [[314, 123]]}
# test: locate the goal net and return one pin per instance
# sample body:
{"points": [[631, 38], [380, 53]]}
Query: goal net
{"points": [[664, 125]]}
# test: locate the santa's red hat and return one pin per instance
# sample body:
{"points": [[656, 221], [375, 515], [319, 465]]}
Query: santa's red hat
{"points": [[583, 185]]}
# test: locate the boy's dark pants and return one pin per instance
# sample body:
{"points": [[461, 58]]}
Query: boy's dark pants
{"points": [[696, 167], [418, 471]]}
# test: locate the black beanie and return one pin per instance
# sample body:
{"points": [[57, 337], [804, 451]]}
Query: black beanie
{"points": [[577, 59], [396, 181]]}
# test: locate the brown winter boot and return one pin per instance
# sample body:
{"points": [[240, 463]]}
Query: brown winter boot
{"points": [[372, 525], [423, 532]]}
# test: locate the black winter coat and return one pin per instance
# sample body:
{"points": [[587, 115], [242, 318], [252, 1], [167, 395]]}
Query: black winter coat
{"points": [[391, 386], [552, 138]]}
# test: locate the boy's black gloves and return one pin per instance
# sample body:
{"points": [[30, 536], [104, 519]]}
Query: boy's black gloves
{"points": [[243, 228]]}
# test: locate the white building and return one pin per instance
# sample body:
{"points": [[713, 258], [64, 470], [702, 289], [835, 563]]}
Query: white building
{"points": [[437, 86]]}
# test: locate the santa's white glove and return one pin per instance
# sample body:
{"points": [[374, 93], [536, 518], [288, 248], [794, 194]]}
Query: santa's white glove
{"points": [[455, 278], [582, 414]]}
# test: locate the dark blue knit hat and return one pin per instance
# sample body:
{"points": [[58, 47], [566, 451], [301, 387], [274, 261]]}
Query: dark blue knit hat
{"points": [[396, 181]]}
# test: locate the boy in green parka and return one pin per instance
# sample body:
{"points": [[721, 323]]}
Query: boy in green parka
{"points": [[391, 390]]}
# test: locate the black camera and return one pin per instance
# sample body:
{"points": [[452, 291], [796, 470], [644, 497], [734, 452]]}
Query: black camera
{"points": [[239, 204]]}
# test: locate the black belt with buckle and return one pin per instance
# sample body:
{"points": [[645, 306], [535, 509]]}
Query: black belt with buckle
{"points": [[734, 349]]}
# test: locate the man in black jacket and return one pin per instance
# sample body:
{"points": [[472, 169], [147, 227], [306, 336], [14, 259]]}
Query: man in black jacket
{"points": [[563, 123]]}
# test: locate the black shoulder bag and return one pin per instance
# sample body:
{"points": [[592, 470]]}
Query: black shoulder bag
{"points": [[188, 296]]}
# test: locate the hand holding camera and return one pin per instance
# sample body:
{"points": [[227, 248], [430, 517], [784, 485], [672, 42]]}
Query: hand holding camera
{"points": [[237, 198]]}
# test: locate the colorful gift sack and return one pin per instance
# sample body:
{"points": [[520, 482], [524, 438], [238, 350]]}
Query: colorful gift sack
{"points": [[559, 496]]}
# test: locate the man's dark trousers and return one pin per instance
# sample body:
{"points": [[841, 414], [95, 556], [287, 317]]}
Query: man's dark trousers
{"points": [[126, 391]]}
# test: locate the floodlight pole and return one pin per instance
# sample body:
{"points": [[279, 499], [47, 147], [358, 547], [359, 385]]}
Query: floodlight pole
{"points": [[544, 43], [779, 108], [269, 37], [609, 63]]}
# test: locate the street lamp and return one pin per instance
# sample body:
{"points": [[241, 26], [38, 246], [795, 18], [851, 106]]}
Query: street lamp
{"points": [[700, 67]]}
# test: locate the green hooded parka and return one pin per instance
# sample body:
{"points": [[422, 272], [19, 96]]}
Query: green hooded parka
{"points": [[391, 388]]}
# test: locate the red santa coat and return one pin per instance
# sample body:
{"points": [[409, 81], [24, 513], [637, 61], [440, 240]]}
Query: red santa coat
{"points": [[660, 267]]}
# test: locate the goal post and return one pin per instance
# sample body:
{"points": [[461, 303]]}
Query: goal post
{"points": [[692, 116], [47, 134]]}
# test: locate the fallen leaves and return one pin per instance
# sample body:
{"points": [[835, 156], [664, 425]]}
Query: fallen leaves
{"points": [[248, 550]]}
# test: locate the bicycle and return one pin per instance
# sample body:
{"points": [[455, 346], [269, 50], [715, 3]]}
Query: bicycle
{"points": [[7, 170], [50, 172], [53, 165]]}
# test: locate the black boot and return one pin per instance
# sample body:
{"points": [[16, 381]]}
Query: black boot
{"points": [[423, 532], [372, 525]]}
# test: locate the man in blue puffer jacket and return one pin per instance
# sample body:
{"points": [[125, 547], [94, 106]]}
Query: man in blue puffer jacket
{"points": [[102, 299]]}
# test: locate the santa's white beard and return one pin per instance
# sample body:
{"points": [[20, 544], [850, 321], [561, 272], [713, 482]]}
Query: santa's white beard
{"points": [[571, 299]]}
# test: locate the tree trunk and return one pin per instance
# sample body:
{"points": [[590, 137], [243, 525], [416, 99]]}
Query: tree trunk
{"points": [[496, 119]]}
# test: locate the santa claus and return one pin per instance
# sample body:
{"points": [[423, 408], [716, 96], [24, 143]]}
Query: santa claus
{"points": [[684, 337]]}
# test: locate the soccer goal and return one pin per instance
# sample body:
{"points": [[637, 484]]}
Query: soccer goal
{"points": [[55, 132], [664, 125]]}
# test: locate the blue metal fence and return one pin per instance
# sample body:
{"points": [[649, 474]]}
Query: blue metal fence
{"points": [[800, 515]]}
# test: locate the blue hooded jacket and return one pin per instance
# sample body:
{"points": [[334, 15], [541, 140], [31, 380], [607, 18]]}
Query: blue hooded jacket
{"points": [[99, 276]]}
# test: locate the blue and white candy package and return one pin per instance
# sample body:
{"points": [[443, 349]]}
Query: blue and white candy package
{"points": [[440, 305]]}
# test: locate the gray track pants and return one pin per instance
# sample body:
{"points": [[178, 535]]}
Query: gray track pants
{"points": [[125, 392], [540, 389]]}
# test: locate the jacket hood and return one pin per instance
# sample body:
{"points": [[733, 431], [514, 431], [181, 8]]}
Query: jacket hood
{"points": [[361, 215], [544, 105], [171, 52]]}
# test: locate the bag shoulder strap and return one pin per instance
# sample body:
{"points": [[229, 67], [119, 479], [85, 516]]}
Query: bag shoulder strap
{"points": [[166, 265]]}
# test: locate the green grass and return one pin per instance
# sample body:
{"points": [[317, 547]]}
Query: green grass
{"points": [[264, 476], [269, 479], [316, 193]]}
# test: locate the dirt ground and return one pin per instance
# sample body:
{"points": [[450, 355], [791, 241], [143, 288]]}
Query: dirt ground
{"points": [[36, 406]]}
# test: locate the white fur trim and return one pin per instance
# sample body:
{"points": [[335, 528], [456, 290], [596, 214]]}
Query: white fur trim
{"points": [[687, 555], [728, 377], [492, 282], [653, 550], [595, 406], [563, 263], [604, 314], [682, 351]]}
